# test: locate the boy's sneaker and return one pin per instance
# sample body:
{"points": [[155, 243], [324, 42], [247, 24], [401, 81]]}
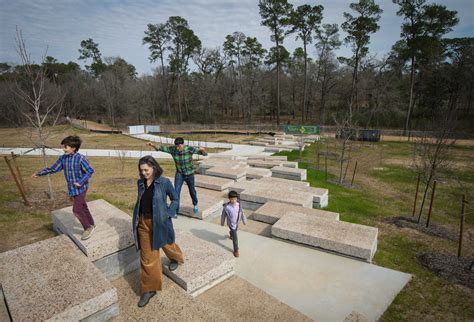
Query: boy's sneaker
{"points": [[196, 209], [236, 253], [87, 233]]}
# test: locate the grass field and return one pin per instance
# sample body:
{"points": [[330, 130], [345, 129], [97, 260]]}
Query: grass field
{"points": [[383, 187]]}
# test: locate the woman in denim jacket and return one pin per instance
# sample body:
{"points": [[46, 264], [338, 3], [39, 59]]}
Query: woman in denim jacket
{"points": [[153, 228]]}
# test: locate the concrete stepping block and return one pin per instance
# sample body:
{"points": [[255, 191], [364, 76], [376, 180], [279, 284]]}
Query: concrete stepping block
{"points": [[111, 246], [256, 196], [289, 173], [53, 280], [290, 164], [268, 164], [336, 236], [275, 149], [272, 211], [258, 173], [205, 266], [275, 180], [226, 172], [209, 203], [222, 163], [259, 143], [212, 182], [320, 195]]}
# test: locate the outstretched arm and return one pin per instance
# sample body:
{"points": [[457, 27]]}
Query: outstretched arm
{"points": [[57, 166], [159, 148]]}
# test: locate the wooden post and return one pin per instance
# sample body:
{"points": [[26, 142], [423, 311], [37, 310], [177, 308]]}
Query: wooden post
{"points": [[431, 203], [416, 194], [461, 228], [20, 179], [25, 201], [353, 174]]}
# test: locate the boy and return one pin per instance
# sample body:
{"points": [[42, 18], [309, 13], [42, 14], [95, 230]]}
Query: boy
{"points": [[232, 211], [77, 172], [183, 159]]}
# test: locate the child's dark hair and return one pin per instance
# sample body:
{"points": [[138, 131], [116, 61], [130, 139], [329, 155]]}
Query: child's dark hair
{"points": [[233, 194], [178, 141], [73, 141], [150, 161]]}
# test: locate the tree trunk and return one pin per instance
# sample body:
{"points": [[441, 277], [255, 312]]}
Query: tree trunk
{"points": [[410, 102], [303, 111]]}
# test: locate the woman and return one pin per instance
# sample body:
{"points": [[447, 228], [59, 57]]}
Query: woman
{"points": [[153, 228]]}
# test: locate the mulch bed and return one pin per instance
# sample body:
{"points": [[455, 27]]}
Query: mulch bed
{"points": [[433, 229], [458, 270]]}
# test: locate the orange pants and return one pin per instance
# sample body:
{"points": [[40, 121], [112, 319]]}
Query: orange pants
{"points": [[151, 277]]}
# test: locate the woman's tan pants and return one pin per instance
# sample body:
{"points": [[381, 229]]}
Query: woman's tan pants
{"points": [[151, 272]]}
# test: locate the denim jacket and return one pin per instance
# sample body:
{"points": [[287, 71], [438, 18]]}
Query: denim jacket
{"points": [[163, 231]]}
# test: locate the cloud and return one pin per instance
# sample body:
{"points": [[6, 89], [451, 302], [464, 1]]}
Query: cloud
{"points": [[118, 25]]}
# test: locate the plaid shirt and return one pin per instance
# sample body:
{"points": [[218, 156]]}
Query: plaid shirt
{"points": [[76, 170], [182, 159]]}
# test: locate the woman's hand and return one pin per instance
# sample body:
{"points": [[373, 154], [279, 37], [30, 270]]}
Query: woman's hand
{"points": [[150, 144]]}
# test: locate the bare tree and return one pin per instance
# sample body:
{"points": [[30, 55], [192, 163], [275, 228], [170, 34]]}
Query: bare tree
{"points": [[40, 101], [344, 132], [432, 154]]}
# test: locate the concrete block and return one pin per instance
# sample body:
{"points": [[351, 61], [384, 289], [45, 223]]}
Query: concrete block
{"points": [[258, 143], [262, 195], [275, 180], [249, 205], [290, 164], [289, 173], [212, 182], [53, 280], [226, 172], [276, 157], [268, 164], [272, 211], [120, 263], [4, 316], [113, 229], [209, 203], [206, 264], [336, 236], [258, 173]]}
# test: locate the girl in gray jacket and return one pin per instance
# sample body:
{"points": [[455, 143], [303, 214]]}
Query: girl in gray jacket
{"points": [[233, 212]]}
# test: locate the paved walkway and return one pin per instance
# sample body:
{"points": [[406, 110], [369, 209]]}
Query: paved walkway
{"points": [[323, 286]]}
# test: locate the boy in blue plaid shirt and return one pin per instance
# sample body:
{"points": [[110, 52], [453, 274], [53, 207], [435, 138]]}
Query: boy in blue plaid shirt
{"points": [[77, 172]]}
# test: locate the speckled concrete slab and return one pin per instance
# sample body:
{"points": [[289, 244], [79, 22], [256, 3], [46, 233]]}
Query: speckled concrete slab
{"points": [[337, 236], [225, 172], [263, 194], [53, 280], [213, 183], [272, 211], [289, 173], [205, 264], [258, 173], [267, 164], [113, 230], [210, 203]]}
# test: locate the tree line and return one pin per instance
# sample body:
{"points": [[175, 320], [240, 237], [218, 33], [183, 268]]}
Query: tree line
{"points": [[423, 75]]}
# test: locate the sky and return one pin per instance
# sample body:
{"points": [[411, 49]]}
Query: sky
{"points": [[57, 27]]}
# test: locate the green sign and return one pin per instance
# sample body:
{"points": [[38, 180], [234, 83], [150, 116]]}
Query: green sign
{"points": [[302, 129]]}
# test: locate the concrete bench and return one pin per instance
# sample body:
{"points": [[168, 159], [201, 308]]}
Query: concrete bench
{"points": [[205, 266], [258, 173], [289, 173], [336, 236], [212, 182], [210, 203], [111, 247], [53, 280], [272, 211]]}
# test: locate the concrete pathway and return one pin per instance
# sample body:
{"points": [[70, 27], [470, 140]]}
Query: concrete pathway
{"points": [[323, 286]]}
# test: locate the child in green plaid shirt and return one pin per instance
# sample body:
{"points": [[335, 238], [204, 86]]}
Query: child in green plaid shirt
{"points": [[183, 159]]}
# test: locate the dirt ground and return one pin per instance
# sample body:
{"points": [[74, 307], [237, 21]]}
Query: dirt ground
{"points": [[232, 300]]}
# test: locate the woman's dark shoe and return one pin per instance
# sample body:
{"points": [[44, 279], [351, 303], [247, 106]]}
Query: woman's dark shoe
{"points": [[145, 298], [173, 265]]}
